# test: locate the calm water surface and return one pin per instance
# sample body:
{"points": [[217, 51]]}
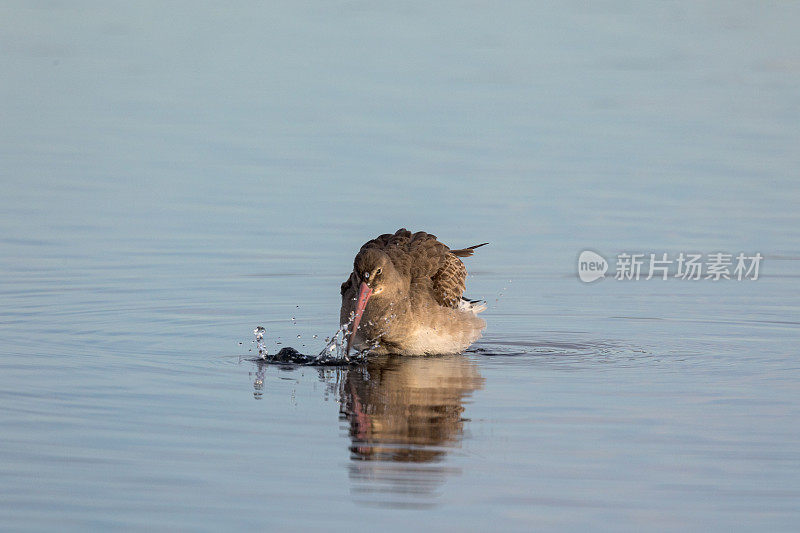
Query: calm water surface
{"points": [[173, 177]]}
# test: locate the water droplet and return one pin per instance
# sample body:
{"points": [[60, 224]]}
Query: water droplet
{"points": [[259, 333]]}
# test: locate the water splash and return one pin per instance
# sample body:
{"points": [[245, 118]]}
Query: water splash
{"points": [[334, 353], [336, 349], [262, 349]]}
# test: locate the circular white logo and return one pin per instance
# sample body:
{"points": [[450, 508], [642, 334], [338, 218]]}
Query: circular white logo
{"points": [[591, 266]]}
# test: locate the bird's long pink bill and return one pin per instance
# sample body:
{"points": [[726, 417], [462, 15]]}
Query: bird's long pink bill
{"points": [[364, 292]]}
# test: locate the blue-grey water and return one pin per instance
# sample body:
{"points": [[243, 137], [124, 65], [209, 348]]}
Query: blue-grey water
{"points": [[175, 175]]}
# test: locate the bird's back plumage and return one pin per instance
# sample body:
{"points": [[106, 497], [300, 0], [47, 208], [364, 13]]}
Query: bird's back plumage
{"points": [[426, 261]]}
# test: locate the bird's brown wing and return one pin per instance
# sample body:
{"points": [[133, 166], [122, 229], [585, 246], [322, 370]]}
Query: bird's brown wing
{"points": [[427, 262], [449, 281]]}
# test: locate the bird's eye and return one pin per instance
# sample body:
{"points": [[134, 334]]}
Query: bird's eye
{"points": [[366, 275], [377, 272]]}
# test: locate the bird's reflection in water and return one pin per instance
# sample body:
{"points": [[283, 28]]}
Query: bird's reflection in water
{"points": [[404, 414]]}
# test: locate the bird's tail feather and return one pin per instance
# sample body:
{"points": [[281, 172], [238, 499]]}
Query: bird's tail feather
{"points": [[466, 252], [476, 306]]}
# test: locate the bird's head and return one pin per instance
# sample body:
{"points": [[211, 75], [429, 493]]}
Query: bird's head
{"points": [[374, 274], [373, 268]]}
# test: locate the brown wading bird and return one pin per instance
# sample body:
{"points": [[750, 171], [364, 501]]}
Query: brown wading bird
{"points": [[404, 297]]}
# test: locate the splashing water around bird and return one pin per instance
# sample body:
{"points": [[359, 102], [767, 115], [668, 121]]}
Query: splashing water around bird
{"points": [[334, 353], [336, 349]]}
